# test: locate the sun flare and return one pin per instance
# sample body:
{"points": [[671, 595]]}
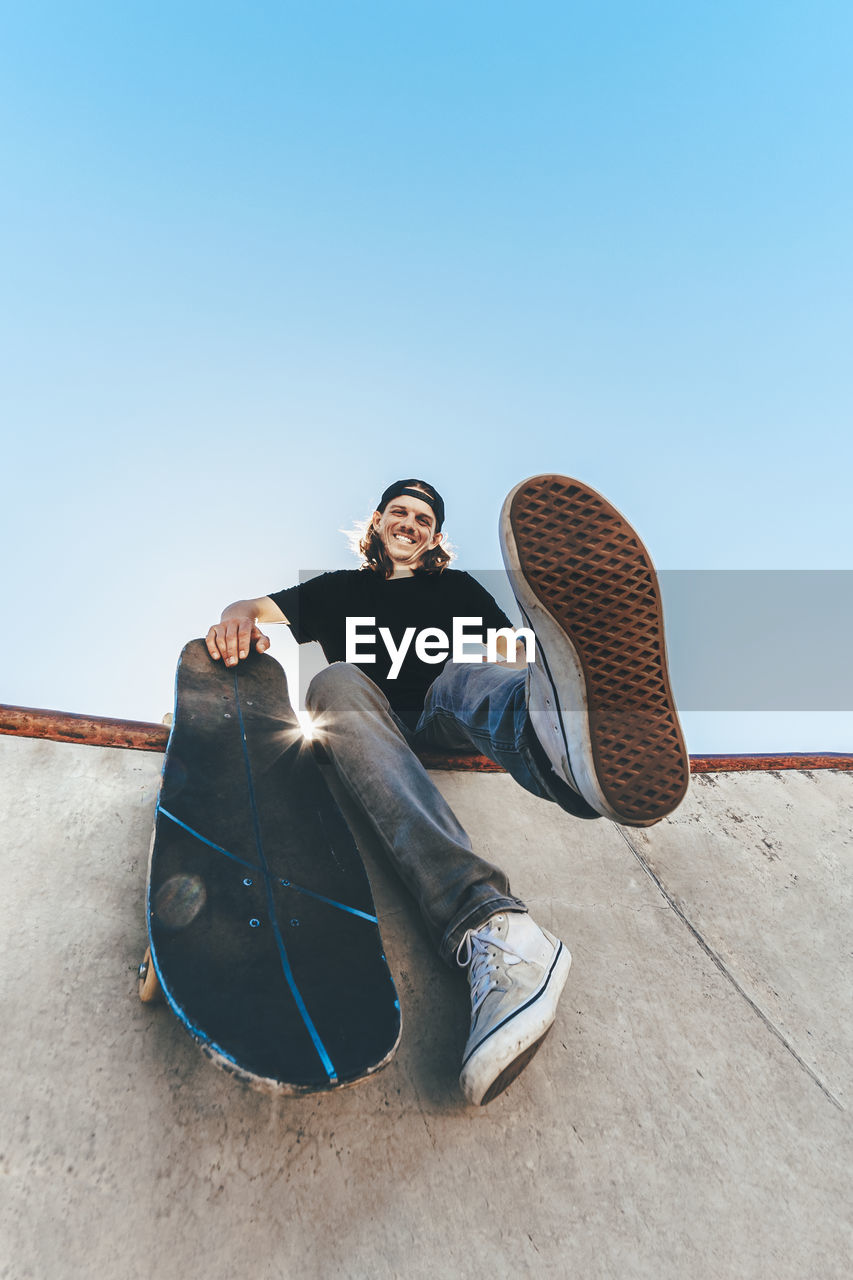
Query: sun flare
{"points": [[306, 724]]}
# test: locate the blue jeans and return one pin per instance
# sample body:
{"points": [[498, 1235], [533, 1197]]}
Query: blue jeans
{"points": [[480, 705]]}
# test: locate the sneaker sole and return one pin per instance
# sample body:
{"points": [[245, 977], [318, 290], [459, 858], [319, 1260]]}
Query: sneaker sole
{"points": [[514, 1069], [601, 704], [511, 1046]]}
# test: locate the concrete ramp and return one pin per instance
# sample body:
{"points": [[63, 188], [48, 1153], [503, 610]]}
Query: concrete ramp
{"points": [[688, 1116]]}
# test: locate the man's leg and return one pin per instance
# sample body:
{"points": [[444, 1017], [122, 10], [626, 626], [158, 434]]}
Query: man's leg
{"points": [[455, 889], [516, 970], [484, 706], [592, 722]]}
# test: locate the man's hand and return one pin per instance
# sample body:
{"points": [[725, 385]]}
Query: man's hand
{"points": [[233, 636]]}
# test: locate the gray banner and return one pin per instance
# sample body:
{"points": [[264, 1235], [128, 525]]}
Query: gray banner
{"points": [[746, 640]]}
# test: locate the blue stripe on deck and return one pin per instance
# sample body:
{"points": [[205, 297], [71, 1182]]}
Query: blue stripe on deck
{"points": [[204, 840], [341, 906]]}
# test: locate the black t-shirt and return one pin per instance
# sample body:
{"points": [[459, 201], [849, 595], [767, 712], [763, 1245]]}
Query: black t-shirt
{"points": [[318, 610]]}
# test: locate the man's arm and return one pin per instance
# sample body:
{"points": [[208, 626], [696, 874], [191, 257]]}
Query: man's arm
{"points": [[237, 630]]}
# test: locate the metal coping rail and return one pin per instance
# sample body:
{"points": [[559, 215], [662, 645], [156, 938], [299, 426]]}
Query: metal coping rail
{"points": [[143, 735]]}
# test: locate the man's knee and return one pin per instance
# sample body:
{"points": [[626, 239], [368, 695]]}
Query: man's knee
{"points": [[340, 685]]}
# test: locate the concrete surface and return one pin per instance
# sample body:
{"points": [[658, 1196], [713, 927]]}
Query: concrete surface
{"points": [[688, 1116]]}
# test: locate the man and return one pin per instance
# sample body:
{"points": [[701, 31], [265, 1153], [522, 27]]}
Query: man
{"points": [[589, 723]]}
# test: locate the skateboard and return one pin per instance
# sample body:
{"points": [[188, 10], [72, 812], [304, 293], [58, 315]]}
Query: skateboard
{"points": [[263, 937]]}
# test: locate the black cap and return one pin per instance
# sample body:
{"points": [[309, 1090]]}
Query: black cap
{"points": [[428, 494]]}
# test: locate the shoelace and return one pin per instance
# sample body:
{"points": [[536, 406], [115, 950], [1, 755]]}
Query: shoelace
{"points": [[473, 950]]}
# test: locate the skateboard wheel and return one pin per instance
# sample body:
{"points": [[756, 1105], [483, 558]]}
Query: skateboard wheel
{"points": [[149, 984]]}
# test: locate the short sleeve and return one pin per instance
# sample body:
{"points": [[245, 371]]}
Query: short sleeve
{"points": [[306, 607]]}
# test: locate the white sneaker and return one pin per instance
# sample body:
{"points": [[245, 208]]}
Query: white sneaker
{"points": [[516, 972]]}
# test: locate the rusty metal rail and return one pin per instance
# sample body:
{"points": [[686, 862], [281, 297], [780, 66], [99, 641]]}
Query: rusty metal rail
{"points": [[142, 735], [93, 731]]}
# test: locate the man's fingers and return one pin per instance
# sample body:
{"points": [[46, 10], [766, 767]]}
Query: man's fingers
{"points": [[221, 642], [245, 635], [232, 639], [238, 639]]}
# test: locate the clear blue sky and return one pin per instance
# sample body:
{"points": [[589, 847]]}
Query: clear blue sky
{"points": [[260, 259]]}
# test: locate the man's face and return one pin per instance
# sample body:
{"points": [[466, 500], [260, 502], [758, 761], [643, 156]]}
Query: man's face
{"points": [[407, 530]]}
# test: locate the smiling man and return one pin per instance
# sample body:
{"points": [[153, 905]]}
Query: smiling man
{"points": [[588, 723]]}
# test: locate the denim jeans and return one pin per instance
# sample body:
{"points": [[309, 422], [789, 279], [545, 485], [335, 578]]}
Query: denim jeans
{"points": [[482, 705]]}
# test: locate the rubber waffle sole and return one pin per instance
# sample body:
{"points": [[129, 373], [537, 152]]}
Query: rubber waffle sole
{"points": [[579, 567]]}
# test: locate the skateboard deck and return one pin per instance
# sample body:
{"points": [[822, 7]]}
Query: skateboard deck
{"points": [[262, 929]]}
